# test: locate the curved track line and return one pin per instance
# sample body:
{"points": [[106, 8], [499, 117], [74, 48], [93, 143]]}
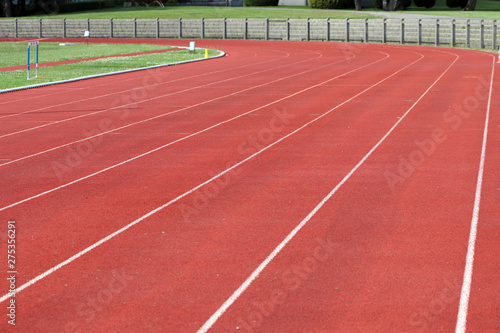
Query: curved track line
{"points": [[168, 113], [469, 263], [182, 139], [213, 319], [117, 107], [102, 241], [135, 79]]}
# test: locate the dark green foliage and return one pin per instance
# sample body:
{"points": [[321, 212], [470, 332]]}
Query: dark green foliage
{"points": [[456, 3], [425, 3], [83, 5], [254, 3], [331, 4]]}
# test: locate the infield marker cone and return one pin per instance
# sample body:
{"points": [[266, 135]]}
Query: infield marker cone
{"points": [[206, 53]]}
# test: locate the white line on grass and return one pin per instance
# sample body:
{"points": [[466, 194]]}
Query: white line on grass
{"points": [[469, 262], [213, 319], [102, 241]]}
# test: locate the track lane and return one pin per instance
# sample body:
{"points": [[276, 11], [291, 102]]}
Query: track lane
{"points": [[348, 87], [193, 245]]}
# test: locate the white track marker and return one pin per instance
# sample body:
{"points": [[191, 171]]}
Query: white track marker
{"points": [[161, 115], [181, 139], [469, 261], [213, 319], [127, 90], [134, 102], [102, 241]]}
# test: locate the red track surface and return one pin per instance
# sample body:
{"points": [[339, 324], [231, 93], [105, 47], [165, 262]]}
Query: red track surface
{"points": [[394, 135]]}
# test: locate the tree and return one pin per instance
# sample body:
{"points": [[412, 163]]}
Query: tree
{"points": [[6, 8], [471, 5], [21, 7], [357, 4]]}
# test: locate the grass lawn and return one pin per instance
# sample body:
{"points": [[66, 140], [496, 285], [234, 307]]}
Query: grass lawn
{"points": [[18, 78], [15, 53], [487, 9], [190, 12]]}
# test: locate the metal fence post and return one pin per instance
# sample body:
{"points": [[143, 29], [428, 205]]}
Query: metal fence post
{"points": [[287, 28], [467, 33], [246, 29], [15, 28], [402, 38], [366, 31], [40, 29], [202, 32], [308, 23], [347, 30], [482, 34], [157, 27], [267, 28], [224, 27], [436, 38], [419, 31], [88, 25], [494, 34], [180, 27], [384, 31], [110, 28], [453, 33], [328, 29], [64, 28]]}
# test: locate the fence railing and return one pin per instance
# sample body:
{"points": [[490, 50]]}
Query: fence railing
{"points": [[463, 33]]}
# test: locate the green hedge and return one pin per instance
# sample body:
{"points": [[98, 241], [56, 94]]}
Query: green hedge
{"points": [[83, 5], [254, 3], [424, 3], [331, 4], [456, 3]]}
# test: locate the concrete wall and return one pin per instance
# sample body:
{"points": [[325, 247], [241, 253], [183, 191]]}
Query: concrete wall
{"points": [[464, 33]]}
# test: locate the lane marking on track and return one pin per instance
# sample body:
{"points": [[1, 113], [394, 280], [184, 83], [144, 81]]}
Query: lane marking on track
{"points": [[132, 103], [213, 319], [469, 262], [169, 113], [139, 78], [102, 241], [132, 89], [183, 138]]}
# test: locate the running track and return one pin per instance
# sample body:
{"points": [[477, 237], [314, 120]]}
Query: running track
{"points": [[286, 187]]}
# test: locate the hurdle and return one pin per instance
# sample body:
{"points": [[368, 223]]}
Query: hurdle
{"points": [[30, 44]]}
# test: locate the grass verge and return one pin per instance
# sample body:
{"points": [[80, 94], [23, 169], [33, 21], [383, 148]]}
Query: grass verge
{"points": [[196, 12], [15, 53], [14, 79]]}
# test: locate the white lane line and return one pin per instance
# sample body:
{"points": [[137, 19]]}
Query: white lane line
{"points": [[140, 78], [169, 113], [213, 319], [102, 241], [179, 140], [132, 103], [469, 261]]}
